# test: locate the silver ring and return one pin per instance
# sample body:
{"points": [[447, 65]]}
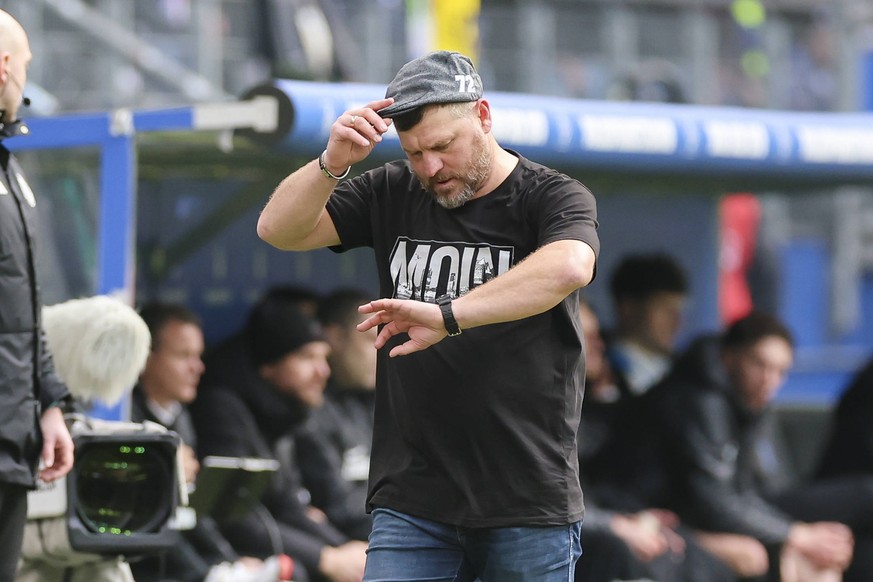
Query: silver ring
{"points": [[354, 119]]}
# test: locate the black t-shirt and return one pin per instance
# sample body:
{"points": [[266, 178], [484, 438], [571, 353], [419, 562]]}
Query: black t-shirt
{"points": [[478, 430]]}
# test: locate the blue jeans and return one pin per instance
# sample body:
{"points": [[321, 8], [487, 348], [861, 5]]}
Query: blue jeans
{"points": [[405, 549]]}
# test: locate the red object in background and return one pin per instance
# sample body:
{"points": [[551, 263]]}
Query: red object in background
{"points": [[739, 217]]}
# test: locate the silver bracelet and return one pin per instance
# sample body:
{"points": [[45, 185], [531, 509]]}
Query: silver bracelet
{"points": [[327, 172]]}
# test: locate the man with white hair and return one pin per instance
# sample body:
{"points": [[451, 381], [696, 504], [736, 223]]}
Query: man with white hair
{"points": [[32, 427]]}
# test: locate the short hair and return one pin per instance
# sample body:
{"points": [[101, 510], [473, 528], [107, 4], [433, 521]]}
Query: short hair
{"points": [[279, 324], [640, 276], [157, 315], [299, 295], [341, 307], [406, 121], [754, 327]]}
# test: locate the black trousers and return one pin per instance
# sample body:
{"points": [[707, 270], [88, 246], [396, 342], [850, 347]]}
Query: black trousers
{"points": [[13, 515], [605, 557]]}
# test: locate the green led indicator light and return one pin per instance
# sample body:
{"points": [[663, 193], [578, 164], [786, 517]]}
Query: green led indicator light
{"points": [[139, 450], [124, 449]]}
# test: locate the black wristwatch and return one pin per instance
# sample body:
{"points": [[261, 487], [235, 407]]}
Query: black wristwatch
{"points": [[445, 303]]}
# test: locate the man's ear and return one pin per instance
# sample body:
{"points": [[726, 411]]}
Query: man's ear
{"points": [[267, 371], [483, 111], [149, 360], [335, 335], [4, 66], [626, 310]]}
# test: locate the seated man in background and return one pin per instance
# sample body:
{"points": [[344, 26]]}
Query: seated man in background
{"points": [[626, 542], [259, 388], [166, 386], [648, 297], [333, 448], [721, 460]]}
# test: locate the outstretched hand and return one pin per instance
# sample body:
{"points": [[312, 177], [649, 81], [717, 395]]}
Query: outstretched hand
{"points": [[423, 322], [354, 134]]}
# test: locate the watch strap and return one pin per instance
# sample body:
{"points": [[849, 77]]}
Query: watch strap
{"points": [[449, 321]]}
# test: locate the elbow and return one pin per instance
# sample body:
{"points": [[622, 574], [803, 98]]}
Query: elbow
{"points": [[576, 277], [271, 234], [584, 274], [265, 230], [579, 267]]}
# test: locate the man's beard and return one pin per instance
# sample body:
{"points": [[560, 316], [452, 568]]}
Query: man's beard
{"points": [[472, 179]]}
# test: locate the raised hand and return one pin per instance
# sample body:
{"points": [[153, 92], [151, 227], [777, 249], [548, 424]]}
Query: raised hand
{"points": [[354, 134]]}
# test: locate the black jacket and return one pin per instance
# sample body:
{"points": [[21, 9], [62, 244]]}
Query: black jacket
{"points": [[722, 460], [333, 453], [237, 414], [28, 383], [689, 445]]}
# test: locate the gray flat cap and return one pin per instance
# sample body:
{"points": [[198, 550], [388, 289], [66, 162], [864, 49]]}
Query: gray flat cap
{"points": [[437, 77]]}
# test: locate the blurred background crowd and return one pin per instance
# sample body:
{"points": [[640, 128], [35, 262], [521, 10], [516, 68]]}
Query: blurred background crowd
{"points": [[782, 54]]}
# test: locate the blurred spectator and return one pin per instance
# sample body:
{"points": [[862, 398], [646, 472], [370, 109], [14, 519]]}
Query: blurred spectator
{"points": [[295, 36], [166, 386], [814, 85], [642, 542], [737, 89], [303, 298], [652, 80], [577, 77], [648, 296], [258, 389], [333, 448], [722, 463]]}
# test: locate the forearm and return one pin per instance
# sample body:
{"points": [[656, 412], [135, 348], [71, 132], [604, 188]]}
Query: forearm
{"points": [[295, 217], [292, 218], [721, 509], [533, 286]]}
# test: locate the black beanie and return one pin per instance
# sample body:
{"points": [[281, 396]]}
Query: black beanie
{"points": [[276, 328]]}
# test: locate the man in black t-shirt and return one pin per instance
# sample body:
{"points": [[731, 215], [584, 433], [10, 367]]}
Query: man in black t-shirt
{"points": [[473, 466]]}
